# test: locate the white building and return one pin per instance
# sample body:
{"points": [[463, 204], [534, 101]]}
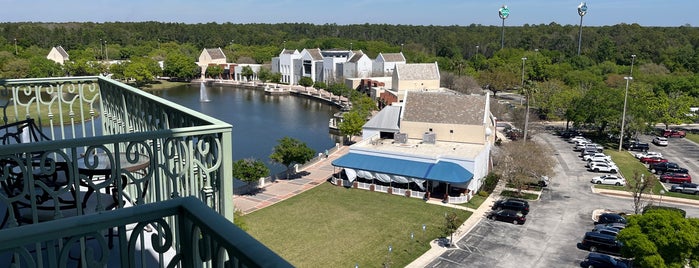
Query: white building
{"points": [[210, 56], [58, 55], [333, 64], [286, 64], [385, 63], [312, 64], [359, 66]]}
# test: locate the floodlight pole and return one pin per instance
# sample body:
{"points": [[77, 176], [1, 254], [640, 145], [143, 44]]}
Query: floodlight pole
{"points": [[623, 114]]}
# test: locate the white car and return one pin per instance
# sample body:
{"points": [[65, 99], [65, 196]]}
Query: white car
{"points": [[598, 161], [589, 157], [609, 179], [578, 139], [648, 154], [603, 167], [660, 141]]}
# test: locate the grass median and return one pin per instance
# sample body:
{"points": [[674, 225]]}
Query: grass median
{"points": [[330, 226]]}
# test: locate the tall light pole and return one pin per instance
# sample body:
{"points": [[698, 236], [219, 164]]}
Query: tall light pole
{"points": [[623, 114], [633, 57], [503, 12], [106, 51], [101, 50], [15, 46], [477, 51], [582, 10], [524, 59]]}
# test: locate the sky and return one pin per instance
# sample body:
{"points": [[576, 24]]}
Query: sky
{"points": [[407, 12]]}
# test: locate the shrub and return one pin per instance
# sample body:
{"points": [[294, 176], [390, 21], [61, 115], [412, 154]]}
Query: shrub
{"points": [[483, 193], [490, 182]]}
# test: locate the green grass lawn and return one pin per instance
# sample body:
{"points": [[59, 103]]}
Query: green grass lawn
{"points": [[692, 137], [514, 194], [330, 226], [475, 202], [628, 165]]}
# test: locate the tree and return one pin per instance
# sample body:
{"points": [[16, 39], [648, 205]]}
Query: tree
{"points": [[451, 224], [250, 170], [639, 186], [264, 75], [291, 151], [179, 65], [275, 77], [351, 124], [514, 162], [214, 71], [661, 238], [247, 72], [142, 70], [305, 82]]}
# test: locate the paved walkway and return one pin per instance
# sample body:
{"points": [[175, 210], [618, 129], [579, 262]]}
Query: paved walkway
{"points": [[282, 189]]}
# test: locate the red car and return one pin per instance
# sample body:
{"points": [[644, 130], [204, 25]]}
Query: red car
{"points": [[671, 133], [652, 160], [675, 177]]}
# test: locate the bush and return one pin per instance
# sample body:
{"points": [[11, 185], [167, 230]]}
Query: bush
{"points": [[483, 193], [652, 207], [490, 182]]}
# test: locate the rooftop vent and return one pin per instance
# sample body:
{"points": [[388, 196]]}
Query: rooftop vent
{"points": [[401, 137], [429, 137]]}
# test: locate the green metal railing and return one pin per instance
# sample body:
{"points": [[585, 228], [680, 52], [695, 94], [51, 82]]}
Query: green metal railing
{"points": [[206, 238], [110, 146]]}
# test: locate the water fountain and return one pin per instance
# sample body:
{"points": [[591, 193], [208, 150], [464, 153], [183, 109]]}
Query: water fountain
{"points": [[203, 96]]}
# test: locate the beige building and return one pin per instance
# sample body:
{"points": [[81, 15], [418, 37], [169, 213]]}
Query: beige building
{"points": [[58, 55], [439, 141], [210, 56], [414, 77]]}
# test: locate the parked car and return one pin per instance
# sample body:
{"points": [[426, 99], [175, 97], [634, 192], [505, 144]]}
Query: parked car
{"points": [[614, 225], [603, 167], [605, 218], [598, 161], [596, 156], [597, 242], [675, 177], [673, 133], [603, 261], [512, 204], [648, 154], [594, 146], [586, 151], [660, 141], [508, 215], [665, 167], [575, 139], [609, 179], [602, 229], [652, 160], [685, 187], [636, 146]]}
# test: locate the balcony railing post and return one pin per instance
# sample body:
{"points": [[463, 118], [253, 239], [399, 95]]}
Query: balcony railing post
{"points": [[225, 196]]}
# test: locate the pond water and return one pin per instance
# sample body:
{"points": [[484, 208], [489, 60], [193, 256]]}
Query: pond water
{"points": [[259, 120]]}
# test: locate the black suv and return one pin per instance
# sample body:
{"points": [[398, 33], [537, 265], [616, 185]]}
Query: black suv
{"points": [[605, 218], [636, 145], [602, 260], [513, 204], [601, 242]]}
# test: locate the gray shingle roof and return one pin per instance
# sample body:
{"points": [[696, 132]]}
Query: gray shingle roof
{"points": [[216, 53], [62, 51], [417, 71], [444, 108], [315, 53], [393, 57], [357, 55], [288, 51]]}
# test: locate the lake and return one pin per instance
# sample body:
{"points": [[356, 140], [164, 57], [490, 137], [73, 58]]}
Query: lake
{"points": [[259, 120]]}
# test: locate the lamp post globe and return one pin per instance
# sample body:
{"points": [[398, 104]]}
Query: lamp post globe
{"points": [[582, 10], [503, 12]]}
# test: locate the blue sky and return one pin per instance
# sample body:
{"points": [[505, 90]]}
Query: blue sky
{"points": [[414, 12]]}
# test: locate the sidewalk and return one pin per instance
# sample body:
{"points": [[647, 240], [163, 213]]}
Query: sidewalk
{"points": [[282, 189]]}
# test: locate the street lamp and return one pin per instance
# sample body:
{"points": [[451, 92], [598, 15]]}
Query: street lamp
{"points": [[503, 12], [623, 114], [662, 192], [477, 47], [524, 59], [106, 51], [15, 46], [582, 10], [633, 57]]}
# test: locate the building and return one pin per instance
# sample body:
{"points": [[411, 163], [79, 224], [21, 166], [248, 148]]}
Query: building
{"points": [[311, 64], [286, 64], [385, 63], [58, 55], [436, 142], [359, 66], [334, 64], [210, 56]]}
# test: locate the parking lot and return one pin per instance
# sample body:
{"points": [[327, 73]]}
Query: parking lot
{"points": [[555, 223]]}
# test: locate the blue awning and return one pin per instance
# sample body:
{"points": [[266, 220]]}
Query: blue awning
{"points": [[441, 171]]}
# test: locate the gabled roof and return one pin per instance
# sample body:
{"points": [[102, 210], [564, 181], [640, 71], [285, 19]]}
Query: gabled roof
{"points": [[215, 53], [417, 71], [289, 51], [61, 51], [315, 53], [357, 55], [393, 57], [387, 119], [444, 108]]}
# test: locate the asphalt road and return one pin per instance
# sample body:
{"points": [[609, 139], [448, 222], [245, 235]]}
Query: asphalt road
{"points": [[555, 223]]}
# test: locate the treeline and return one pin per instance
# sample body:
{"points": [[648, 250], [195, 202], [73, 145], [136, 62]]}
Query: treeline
{"points": [[671, 46]]}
